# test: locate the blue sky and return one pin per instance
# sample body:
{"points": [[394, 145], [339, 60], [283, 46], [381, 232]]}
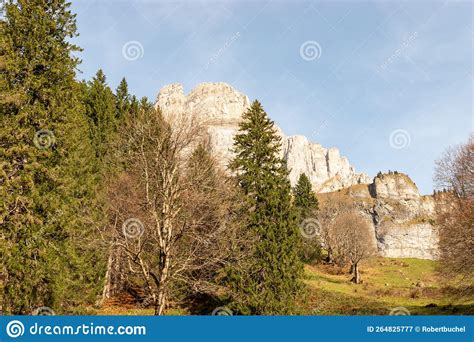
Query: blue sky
{"points": [[390, 83]]}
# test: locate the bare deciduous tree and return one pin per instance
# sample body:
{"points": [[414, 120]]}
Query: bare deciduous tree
{"points": [[455, 170], [330, 208], [351, 240], [175, 211], [455, 173]]}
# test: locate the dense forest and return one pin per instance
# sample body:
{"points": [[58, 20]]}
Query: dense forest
{"points": [[102, 196]]}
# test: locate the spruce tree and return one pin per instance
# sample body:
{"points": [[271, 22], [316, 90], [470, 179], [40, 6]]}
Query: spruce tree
{"points": [[270, 284], [307, 205], [134, 107], [122, 101], [100, 108], [47, 177], [305, 198]]}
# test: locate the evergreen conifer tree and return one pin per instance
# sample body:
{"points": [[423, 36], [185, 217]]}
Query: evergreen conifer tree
{"points": [[47, 182], [101, 110], [122, 101], [307, 205], [305, 198], [272, 281], [134, 106]]}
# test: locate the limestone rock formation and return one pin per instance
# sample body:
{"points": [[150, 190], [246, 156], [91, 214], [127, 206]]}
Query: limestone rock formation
{"points": [[402, 220], [394, 186], [219, 108]]}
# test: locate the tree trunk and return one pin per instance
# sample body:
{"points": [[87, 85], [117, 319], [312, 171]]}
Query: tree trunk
{"points": [[356, 278], [161, 304], [108, 279], [162, 286], [115, 278], [329, 256]]}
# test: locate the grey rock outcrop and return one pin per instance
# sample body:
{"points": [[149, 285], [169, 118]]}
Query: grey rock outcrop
{"points": [[218, 108], [403, 221], [394, 186]]}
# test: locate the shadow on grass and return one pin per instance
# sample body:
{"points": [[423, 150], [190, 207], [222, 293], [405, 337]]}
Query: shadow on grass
{"points": [[315, 277], [203, 304], [323, 302]]}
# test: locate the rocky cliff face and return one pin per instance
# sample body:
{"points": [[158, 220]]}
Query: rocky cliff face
{"points": [[401, 220], [325, 168], [219, 108]]}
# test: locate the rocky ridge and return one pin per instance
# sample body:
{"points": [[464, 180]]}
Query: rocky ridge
{"points": [[401, 220], [219, 108]]}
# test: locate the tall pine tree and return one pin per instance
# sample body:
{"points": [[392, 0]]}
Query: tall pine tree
{"points": [[272, 281], [307, 205], [122, 101], [100, 108], [305, 198], [47, 177]]}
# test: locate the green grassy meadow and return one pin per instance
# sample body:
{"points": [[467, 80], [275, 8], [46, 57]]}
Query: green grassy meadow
{"points": [[388, 283]]}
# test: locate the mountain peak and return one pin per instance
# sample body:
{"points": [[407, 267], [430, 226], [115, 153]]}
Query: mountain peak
{"points": [[219, 107]]}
